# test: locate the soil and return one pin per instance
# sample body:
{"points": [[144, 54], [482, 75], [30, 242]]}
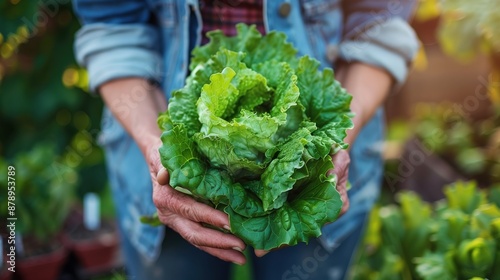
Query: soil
{"points": [[80, 233], [34, 247], [75, 229]]}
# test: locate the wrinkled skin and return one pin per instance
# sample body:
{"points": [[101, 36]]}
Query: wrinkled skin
{"points": [[185, 215]]}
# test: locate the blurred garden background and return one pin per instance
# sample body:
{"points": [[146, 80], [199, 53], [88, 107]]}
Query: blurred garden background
{"points": [[438, 217]]}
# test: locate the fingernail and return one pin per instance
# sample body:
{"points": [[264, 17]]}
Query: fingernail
{"points": [[227, 227], [238, 249], [237, 263]]}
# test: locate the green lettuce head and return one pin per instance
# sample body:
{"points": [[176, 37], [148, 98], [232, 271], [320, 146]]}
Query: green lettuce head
{"points": [[252, 133]]}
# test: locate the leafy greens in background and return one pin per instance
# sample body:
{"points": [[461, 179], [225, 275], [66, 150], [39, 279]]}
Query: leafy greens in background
{"points": [[252, 133], [471, 147], [459, 238], [469, 27]]}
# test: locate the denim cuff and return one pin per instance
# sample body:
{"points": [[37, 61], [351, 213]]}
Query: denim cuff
{"points": [[390, 45], [112, 51]]}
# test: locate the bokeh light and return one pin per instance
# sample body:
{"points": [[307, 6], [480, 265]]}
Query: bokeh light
{"points": [[70, 77], [81, 120]]}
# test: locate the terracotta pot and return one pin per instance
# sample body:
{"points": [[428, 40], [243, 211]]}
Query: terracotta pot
{"points": [[42, 267], [96, 254], [95, 251]]}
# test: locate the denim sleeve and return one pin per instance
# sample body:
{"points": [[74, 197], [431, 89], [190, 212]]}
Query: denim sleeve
{"points": [[116, 40], [376, 32]]}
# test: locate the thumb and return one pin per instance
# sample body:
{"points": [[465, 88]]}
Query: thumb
{"points": [[162, 176]]}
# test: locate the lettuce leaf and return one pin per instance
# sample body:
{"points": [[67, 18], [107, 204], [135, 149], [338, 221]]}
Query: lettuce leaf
{"points": [[252, 133]]}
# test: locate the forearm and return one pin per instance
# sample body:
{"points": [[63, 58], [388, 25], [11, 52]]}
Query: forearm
{"points": [[136, 104], [369, 87]]}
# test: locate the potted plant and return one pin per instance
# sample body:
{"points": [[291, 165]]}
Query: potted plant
{"points": [[456, 238], [441, 146], [447, 146], [91, 234], [451, 140], [43, 194]]}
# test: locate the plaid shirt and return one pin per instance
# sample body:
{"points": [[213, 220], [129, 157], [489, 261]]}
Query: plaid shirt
{"points": [[225, 14]]}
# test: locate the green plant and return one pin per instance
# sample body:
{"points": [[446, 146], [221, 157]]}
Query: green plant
{"points": [[44, 95], [469, 27], [466, 28], [44, 188], [472, 147], [458, 238], [252, 133]]}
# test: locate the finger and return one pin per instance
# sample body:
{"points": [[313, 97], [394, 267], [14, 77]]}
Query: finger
{"points": [[341, 161], [342, 156], [342, 188], [162, 177], [153, 156], [199, 235], [345, 201], [185, 206], [225, 254], [260, 253]]}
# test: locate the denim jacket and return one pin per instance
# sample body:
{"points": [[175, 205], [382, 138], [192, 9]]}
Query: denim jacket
{"points": [[153, 39]]}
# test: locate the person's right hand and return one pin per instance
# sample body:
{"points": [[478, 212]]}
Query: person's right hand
{"points": [[185, 215]]}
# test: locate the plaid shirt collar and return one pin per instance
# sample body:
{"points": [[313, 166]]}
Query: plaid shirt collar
{"points": [[225, 14]]}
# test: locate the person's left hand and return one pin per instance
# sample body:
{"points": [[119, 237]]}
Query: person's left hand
{"points": [[341, 161]]}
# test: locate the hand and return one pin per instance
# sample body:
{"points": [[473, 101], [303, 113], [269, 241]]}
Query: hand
{"points": [[185, 215], [341, 161], [176, 210]]}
